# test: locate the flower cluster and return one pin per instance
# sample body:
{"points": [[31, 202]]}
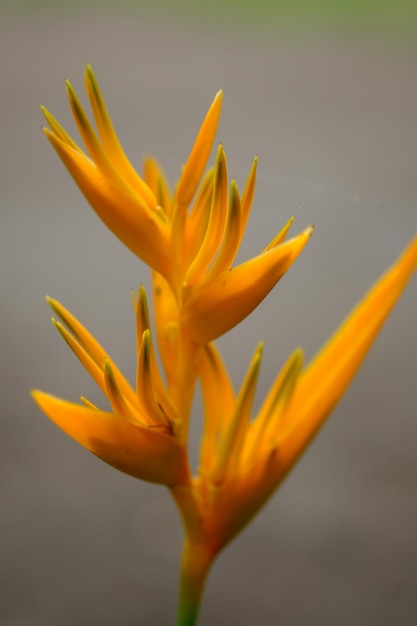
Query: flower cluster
{"points": [[190, 237]]}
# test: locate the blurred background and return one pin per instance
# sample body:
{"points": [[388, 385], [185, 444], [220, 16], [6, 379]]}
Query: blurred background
{"points": [[326, 94]]}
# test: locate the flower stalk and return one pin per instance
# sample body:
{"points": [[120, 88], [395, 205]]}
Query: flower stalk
{"points": [[196, 561], [190, 238]]}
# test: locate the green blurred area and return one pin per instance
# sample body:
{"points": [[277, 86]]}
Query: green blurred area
{"points": [[398, 16]]}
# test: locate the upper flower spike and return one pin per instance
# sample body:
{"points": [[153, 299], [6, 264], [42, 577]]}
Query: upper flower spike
{"points": [[192, 247]]}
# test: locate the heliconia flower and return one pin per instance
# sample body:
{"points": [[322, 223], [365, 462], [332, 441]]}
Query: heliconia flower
{"points": [[137, 436], [191, 244], [243, 460], [190, 239]]}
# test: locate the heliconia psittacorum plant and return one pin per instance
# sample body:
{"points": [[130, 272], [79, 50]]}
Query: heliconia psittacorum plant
{"points": [[190, 237]]}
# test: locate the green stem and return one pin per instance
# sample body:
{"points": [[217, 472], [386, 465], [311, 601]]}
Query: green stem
{"points": [[195, 564]]}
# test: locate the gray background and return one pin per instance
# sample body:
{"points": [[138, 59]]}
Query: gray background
{"points": [[334, 121]]}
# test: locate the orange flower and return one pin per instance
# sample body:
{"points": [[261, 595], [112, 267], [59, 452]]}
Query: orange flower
{"points": [[192, 246], [190, 239]]}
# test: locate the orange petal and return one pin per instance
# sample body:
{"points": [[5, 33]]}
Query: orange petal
{"points": [[197, 161], [197, 221], [218, 402], [59, 131], [110, 140], [166, 321], [280, 237], [237, 500], [89, 351], [247, 197], [103, 161], [115, 396], [140, 228], [328, 375], [142, 325], [270, 418], [85, 359], [216, 224], [214, 307], [231, 240], [230, 446], [146, 453], [144, 383], [156, 180]]}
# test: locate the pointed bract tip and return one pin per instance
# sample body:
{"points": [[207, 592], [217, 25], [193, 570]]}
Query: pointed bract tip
{"points": [[221, 161], [234, 189], [146, 348], [90, 77], [107, 368], [47, 131], [260, 348], [62, 331], [219, 96], [37, 396], [54, 304], [298, 354]]}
